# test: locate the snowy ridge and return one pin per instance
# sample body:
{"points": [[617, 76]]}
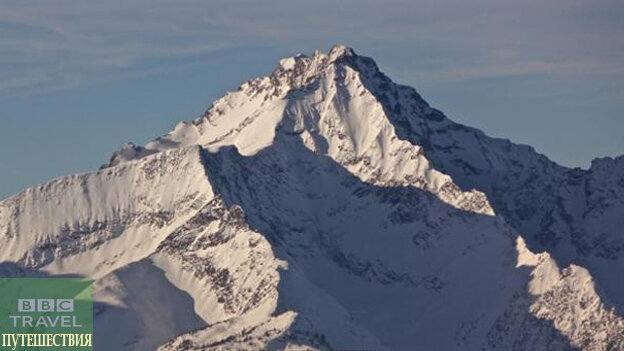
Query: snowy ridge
{"points": [[121, 212], [326, 103], [573, 214], [326, 207], [552, 294]]}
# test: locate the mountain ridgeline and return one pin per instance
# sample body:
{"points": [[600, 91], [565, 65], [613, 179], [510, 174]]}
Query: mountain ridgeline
{"points": [[325, 207]]}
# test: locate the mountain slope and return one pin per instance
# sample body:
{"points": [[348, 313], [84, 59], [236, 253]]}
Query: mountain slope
{"points": [[322, 207], [574, 214]]}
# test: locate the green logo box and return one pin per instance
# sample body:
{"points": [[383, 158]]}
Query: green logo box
{"points": [[46, 314]]}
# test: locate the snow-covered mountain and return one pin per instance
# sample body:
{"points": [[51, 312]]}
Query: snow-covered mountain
{"points": [[326, 207]]}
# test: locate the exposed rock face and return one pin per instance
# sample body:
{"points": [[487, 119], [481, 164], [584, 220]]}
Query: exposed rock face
{"points": [[325, 207]]}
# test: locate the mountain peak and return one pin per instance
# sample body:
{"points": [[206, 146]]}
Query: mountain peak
{"points": [[253, 228], [297, 71], [337, 51], [336, 104]]}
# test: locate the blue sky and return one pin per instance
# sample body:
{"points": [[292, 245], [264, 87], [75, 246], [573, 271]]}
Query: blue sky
{"points": [[80, 78]]}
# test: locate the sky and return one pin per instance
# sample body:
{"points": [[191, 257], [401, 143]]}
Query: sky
{"points": [[80, 78]]}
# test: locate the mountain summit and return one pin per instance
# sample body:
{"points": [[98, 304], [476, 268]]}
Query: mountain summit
{"points": [[326, 207]]}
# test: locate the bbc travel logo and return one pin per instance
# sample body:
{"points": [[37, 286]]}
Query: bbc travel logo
{"points": [[46, 314]]}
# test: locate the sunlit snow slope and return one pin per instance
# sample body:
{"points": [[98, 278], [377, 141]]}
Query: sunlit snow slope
{"points": [[326, 207]]}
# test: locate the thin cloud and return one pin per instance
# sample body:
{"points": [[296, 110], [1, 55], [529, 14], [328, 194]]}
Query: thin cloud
{"points": [[46, 46], [450, 73]]}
